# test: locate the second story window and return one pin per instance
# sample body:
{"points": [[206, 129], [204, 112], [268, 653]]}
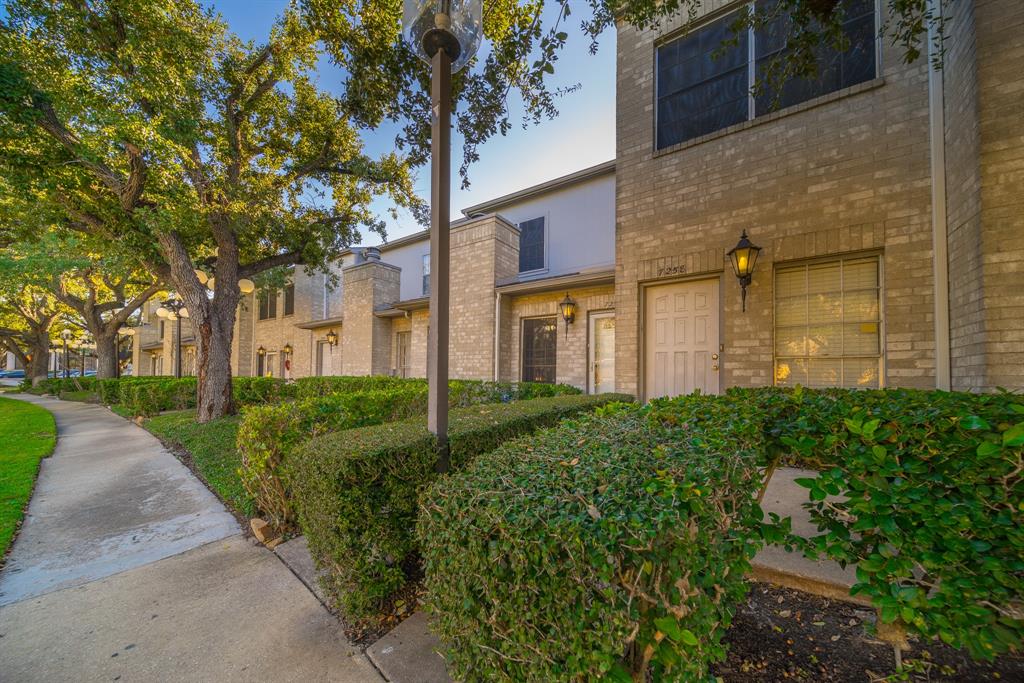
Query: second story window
{"points": [[289, 299], [268, 304], [426, 275], [705, 85], [531, 245]]}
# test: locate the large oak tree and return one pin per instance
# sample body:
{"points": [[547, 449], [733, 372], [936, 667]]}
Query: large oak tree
{"points": [[148, 124]]}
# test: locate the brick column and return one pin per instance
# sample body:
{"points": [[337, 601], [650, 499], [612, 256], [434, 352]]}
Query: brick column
{"points": [[484, 250], [365, 338]]}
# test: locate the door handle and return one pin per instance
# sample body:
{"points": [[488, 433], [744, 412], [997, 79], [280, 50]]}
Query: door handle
{"points": [[715, 367]]}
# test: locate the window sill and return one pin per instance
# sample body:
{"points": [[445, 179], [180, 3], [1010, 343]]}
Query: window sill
{"points": [[774, 116], [530, 274]]}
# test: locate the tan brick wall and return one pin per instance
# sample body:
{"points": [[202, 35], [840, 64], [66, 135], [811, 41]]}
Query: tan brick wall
{"points": [[366, 338], [999, 26], [571, 348], [847, 172]]}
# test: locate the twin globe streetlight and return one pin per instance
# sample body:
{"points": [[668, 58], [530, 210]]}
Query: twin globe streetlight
{"points": [[446, 34], [174, 309]]}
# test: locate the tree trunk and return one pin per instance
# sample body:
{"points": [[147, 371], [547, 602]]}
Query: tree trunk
{"points": [[215, 395], [40, 364], [106, 356]]}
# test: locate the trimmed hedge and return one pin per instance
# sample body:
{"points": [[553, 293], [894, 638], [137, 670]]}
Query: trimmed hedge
{"points": [[267, 434], [613, 545], [355, 491], [58, 385], [149, 396]]}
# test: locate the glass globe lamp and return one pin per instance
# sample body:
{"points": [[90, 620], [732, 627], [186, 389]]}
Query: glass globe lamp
{"points": [[455, 25]]}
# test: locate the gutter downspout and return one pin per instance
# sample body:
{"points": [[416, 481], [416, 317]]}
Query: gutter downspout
{"points": [[940, 225], [497, 335]]}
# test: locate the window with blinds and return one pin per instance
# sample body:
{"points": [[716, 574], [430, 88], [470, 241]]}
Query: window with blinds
{"points": [[268, 304], [539, 349], [828, 326]]}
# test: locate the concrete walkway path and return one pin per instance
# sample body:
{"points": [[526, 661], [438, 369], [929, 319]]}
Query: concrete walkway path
{"points": [[127, 568]]}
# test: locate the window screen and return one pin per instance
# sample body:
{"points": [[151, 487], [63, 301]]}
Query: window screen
{"points": [[531, 245], [268, 304], [289, 299], [836, 70], [702, 86], [828, 324], [539, 348]]}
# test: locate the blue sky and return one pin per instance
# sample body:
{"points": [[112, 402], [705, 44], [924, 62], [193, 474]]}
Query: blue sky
{"points": [[582, 135]]}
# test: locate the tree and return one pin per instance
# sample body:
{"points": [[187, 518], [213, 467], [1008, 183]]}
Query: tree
{"points": [[146, 123], [27, 314], [386, 81]]}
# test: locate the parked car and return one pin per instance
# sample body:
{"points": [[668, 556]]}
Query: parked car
{"points": [[12, 374]]}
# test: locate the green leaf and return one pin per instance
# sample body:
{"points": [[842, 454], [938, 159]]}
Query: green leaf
{"points": [[986, 448], [670, 627], [806, 482], [1014, 436], [688, 638], [974, 422]]}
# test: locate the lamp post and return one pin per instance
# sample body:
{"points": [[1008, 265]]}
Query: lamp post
{"points": [[174, 309], [66, 335], [446, 35]]}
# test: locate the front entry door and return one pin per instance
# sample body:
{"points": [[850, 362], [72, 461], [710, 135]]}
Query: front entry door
{"points": [[602, 353], [681, 339]]}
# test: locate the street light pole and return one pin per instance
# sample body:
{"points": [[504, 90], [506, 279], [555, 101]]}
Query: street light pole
{"points": [[440, 252]]}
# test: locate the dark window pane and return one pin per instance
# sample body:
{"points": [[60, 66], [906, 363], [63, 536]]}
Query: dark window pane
{"points": [[289, 299], [268, 304], [531, 245], [702, 84], [836, 70], [539, 350]]}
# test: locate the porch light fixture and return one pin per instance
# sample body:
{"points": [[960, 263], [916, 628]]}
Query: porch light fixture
{"points": [[287, 349], [568, 309], [332, 338], [261, 351], [246, 286], [744, 258], [445, 34]]}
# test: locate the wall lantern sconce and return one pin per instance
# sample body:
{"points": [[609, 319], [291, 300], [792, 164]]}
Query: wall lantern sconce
{"points": [[744, 258], [568, 309], [261, 351], [332, 338], [287, 349]]}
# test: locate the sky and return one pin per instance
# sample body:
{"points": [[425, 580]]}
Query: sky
{"points": [[582, 135]]}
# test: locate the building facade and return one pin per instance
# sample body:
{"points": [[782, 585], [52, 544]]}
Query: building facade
{"points": [[887, 199]]}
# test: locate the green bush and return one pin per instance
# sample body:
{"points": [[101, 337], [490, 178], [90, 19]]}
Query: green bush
{"points": [[268, 433], [931, 503], [58, 385], [611, 545], [250, 391], [152, 398], [310, 387], [355, 491]]}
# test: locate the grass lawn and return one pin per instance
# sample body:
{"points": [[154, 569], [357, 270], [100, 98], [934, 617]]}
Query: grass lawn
{"points": [[28, 434], [212, 446]]}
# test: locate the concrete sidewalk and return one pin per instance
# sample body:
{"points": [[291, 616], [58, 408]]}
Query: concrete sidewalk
{"points": [[128, 568]]}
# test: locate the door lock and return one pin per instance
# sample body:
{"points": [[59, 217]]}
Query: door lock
{"points": [[715, 367], [714, 356]]}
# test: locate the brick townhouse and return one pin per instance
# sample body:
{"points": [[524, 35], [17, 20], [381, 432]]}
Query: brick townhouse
{"points": [[887, 199]]}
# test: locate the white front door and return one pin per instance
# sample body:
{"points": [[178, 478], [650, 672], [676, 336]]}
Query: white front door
{"points": [[681, 339], [602, 353]]}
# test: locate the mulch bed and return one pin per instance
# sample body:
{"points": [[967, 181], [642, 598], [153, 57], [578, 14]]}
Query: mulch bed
{"points": [[784, 635]]}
